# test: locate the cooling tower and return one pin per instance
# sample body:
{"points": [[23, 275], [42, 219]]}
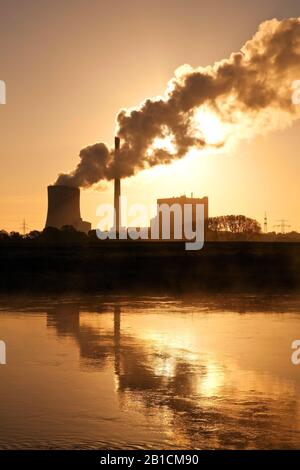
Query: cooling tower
{"points": [[64, 208], [117, 191]]}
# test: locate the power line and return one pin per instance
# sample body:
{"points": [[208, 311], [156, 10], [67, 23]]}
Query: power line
{"points": [[282, 225]]}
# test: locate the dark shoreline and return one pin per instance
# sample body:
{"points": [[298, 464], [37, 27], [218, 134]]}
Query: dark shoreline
{"points": [[149, 267]]}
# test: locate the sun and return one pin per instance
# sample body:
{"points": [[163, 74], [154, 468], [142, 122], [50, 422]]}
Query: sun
{"points": [[204, 125], [209, 126], [163, 143]]}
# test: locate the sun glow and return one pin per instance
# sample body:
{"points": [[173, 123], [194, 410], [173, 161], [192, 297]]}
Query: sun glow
{"points": [[163, 143], [209, 126], [206, 126]]}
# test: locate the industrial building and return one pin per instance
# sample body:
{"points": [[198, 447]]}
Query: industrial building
{"points": [[180, 201], [64, 208]]}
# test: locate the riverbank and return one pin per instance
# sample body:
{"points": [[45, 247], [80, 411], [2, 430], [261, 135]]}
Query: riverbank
{"points": [[154, 267]]}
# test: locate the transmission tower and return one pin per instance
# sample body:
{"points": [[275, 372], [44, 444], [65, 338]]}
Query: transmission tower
{"points": [[282, 225], [266, 223], [24, 227]]}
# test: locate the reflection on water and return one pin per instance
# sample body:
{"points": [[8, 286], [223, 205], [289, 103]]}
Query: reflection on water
{"points": [[150, 373]]}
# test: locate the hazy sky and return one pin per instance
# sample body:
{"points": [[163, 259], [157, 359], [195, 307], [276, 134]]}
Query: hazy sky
{"points": [[70, 65]]}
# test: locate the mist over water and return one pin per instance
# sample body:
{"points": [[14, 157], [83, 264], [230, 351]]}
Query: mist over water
{"points": [[107, 372]]}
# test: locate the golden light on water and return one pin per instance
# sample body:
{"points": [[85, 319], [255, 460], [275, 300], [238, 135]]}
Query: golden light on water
{"points": [[213, 379]]}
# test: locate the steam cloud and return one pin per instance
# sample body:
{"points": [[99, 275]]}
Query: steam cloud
{"points": [[250, 92]]}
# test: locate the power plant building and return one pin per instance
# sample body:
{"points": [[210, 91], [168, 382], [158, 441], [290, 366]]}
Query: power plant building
{"points": [[182, 202], [64, 208]]}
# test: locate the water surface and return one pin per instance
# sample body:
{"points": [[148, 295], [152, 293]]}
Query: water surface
{"points": [[159, 373]]}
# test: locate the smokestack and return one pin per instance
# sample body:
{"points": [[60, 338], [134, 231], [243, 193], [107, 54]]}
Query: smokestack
{"points": [[64, 208], [117, 189]]}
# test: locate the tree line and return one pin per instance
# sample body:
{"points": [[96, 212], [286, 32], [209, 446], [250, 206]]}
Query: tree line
{"points": [[234, 224], [221, 228]]}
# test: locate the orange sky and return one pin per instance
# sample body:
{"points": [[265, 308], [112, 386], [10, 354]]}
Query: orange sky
{"points": [[70, 65]]}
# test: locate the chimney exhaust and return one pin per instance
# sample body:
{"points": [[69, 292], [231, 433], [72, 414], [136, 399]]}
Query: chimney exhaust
{"points": [[117, 190]]}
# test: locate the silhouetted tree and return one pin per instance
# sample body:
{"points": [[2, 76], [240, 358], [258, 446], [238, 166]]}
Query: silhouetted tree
{"points": [[33, 235], [15, 236], [4, 235], [214, 224], [92, 235], [235, 224], [242, 224], [50, 234], [67, 234]]}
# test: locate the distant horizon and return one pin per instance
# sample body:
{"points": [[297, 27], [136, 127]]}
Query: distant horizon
{"points": [[271, 229], [76, 87]]}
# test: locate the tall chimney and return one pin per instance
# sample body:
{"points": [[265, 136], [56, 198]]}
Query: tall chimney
{"points": [[117, 189]]}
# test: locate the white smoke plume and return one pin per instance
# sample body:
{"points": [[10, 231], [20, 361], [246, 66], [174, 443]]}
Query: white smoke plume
{"points": [[249, 92]]}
